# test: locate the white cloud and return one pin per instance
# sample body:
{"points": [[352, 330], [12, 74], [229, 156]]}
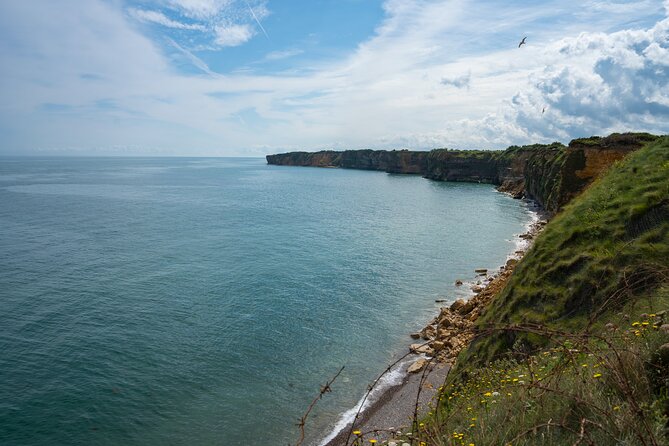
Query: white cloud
{"points": [[458, 81], [201, 9], [233, 35], [284, 54], [385, 93], [162, 19], [595, 83]]}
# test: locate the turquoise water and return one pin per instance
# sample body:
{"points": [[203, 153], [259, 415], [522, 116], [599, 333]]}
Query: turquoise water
{"points": [[174, 301]]}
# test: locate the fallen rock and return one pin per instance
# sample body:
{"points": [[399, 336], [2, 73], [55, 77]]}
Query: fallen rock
{"points": [[428, 332], [440, 300], [415, 335], [421, 348], [445, 322], [664, 328], [455, 306], [477, 288], [481, 271], [437, 345], [466, 308], [458, 282], [511, 263], [417, 366]]}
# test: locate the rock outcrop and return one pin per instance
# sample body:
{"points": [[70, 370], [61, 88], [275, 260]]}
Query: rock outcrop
{"points": [[550, 174]]}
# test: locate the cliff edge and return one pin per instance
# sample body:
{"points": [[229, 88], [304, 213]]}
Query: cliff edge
{"points": [[550, 174]]}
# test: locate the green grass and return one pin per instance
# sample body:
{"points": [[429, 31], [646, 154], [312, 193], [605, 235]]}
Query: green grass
{"points": [[559, 360], [609, 246], [583, 390]]}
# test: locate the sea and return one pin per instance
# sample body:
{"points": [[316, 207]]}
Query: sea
{"points": [[205, 301]]}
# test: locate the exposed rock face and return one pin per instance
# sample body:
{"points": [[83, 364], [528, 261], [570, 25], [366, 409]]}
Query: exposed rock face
{"points": [[553, 176], [456, 165], [550, 174]]}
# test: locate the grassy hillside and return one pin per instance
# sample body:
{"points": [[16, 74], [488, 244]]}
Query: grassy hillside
{"points": [[574, 350], [609, 248]]}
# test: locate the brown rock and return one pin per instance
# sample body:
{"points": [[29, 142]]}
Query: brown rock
{"points": [[458, 282], [437, 345], [417, 366], [477, 289], [511, 263], [455, 306], [446, 321], [421, 348], [665, 328], [415, 335], [429, 332]]}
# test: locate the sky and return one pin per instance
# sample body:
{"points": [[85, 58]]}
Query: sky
{"points": [[253, 77]]}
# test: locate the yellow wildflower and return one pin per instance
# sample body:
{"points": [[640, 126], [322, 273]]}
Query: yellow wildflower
{"points": [[357, 432], [596, 375]]}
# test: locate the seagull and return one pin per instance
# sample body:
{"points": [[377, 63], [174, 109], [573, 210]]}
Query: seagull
{"points": [[543, 110], [522, 42]]}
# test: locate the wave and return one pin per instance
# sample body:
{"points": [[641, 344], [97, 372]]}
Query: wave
{"points": [[394, 377]]}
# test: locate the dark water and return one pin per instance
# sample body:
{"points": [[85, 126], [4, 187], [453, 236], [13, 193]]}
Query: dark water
{"points": [[203, 301]]}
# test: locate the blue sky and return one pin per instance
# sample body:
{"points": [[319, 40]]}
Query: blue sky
{"points": [[251, 77]]}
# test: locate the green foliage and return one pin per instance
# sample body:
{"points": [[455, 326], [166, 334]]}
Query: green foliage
{"points": [[557, 360], [608, 247], [614, 139], [609, 389]]}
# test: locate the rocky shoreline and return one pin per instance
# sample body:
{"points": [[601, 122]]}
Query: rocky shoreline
{"points": [[451, 331], [438, 345]]}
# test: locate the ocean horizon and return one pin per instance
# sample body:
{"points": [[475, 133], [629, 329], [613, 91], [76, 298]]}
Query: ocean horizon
{"points": [[206, 300]]}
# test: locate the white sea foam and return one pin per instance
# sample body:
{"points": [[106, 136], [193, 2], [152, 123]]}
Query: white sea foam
{"points": [[522, 244], [394, 377]]}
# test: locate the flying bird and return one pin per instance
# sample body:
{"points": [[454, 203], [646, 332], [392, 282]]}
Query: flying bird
{"points": [[522, 42], [543, 110]]}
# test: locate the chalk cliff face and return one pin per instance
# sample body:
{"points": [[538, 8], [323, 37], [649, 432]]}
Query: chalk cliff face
{"points": [[549, 174]]}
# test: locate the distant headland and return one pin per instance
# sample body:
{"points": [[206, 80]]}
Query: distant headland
{"points": [[550, 174]]}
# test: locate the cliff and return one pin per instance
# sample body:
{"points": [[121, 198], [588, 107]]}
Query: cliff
{"points": [[550, 174], [570, 344]]}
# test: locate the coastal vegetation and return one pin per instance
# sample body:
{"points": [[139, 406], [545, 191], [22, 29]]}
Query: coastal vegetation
{"points": [[574, 349], [570, 345]]}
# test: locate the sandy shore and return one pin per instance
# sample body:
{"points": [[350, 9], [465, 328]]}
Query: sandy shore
{"points": [[393, 410]]}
